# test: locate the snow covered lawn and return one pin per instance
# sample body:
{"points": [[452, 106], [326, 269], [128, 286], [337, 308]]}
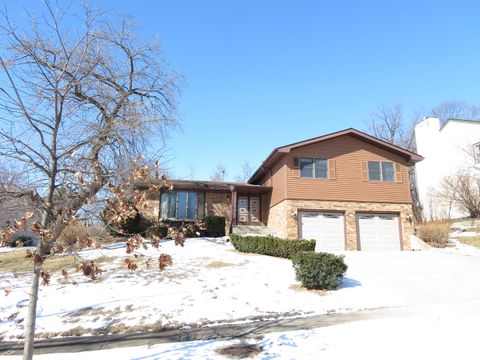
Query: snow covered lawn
{"points": [[430, 332], [208, 282], [211, 282]]}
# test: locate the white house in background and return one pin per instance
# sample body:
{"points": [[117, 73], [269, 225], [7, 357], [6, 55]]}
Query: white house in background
{"points": [[446, 149]]}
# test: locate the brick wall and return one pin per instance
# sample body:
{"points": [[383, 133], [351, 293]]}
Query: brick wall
{"points": [[219, 204], [152, 208]]}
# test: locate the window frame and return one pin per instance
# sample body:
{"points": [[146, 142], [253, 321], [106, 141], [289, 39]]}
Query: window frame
{"points": [[476, 152], [166, 205], [314, 168], [381, 171]]}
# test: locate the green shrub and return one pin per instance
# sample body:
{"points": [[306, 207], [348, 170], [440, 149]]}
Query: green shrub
{"points": [[215, 225], [319, 270], [434, 233], [159, 229], [269, 245], [131, 225]]}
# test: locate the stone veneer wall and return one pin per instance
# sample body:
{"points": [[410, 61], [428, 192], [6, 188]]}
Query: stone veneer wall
{"points": [[152, 208], [281, 218], [277, 219], [219, 204]]}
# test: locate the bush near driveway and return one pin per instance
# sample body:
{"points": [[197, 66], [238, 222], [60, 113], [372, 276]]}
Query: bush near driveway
{"points": [[215, 225], [434, 233], [269, 245], [319, 270]]}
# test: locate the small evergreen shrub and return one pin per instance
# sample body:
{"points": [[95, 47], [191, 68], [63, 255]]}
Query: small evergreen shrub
{"points": [[270, 245], [215, 225], [319, 270], [159, 229]]}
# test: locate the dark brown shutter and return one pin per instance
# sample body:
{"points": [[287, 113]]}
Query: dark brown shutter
{"points": [[364, 171], [331, 170], [296, 163], [398, 173]]}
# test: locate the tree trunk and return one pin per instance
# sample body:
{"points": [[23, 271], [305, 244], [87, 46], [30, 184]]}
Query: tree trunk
{"points": [[31, 315], [33, 295]]}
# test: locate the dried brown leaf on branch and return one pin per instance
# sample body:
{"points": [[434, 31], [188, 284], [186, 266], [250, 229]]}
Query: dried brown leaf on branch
{"points": [[79, 177], [90, 270], [6, 235], [64, 274], [131, 265], [164, 260], [134, 243], [7, 291], [45, 276], [155, 241], [38, 259]]}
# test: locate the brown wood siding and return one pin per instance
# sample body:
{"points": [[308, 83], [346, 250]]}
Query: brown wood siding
{"points": [[277, 179], [347, 185]]}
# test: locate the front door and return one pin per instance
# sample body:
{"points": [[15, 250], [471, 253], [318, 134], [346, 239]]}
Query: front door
{"points": [[242, 209], [248, 209]]}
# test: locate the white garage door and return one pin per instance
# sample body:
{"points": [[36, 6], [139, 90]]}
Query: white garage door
{"points": [[327, 229], [378, 232]]}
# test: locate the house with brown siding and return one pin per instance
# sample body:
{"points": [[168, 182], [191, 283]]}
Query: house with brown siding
{"points": [[348, 190]]}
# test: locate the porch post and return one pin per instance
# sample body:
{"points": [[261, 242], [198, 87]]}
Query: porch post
{"points": [[234, 207]]}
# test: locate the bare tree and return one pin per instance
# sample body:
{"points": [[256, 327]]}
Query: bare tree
{"points": [[455, 109], [246, 172], [463, 190], [10, 182], [219, 173], [388, 123], [74, 104]]}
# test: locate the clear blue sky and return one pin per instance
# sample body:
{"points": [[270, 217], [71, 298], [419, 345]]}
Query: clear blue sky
{"points": [[262, 74]]}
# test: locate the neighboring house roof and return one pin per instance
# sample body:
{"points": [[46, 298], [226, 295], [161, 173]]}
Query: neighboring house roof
{"points": [[470, 121], [211, 186], [278, 152], [15, 208]]}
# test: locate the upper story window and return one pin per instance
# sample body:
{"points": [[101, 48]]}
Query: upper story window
{"points": [[314, 168], [476, 152], [182, 205], [381, 171]]}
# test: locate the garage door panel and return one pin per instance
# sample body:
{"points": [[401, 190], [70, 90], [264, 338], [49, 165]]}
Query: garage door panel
{"points": [[326, 228], [378, 232]]}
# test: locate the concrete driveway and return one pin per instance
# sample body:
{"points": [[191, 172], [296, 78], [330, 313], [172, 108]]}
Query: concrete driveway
{"points": [[414, 277]]}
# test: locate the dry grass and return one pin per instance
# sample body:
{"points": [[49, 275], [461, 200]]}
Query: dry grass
{"points": [[76, 233], [299, 287], [434, 233], [15, 261], [470, 240], [219, 264]]}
